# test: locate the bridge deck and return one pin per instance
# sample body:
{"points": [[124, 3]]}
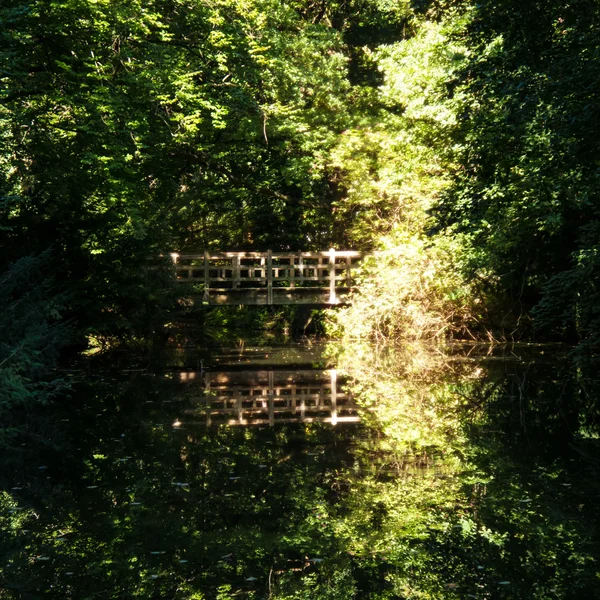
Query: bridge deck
{"points": [[222, 278]]}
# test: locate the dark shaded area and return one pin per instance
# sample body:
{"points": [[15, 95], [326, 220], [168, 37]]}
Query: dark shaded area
{"points": [[526, 190]]}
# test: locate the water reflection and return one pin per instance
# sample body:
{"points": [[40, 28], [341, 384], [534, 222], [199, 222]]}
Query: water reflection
{"points": [[269, 397], [509, 513], [467, 476]]}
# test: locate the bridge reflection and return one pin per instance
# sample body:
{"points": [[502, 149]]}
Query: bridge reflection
{"points": [[269, 397]]}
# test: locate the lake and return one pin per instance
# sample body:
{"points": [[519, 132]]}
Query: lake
{"points": [[312, 471]]}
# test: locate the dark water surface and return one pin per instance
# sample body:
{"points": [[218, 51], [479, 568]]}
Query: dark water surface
{"points": [[305, 471]]}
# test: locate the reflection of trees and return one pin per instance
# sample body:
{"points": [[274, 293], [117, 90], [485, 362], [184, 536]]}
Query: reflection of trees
{"points": [[411, 393], [491, 490], [160, 512], [498, 506]]}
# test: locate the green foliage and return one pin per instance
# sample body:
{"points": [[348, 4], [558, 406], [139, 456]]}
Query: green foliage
{"points": [[394, 169], [457, 141], [32, 335], [134, 127], [525, 191], [189, 124], [480, 150], [393, 166], [569, 299], [410, 290]]}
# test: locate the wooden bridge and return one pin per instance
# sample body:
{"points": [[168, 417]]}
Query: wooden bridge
{"points": [[270, 397], [230, 278]]}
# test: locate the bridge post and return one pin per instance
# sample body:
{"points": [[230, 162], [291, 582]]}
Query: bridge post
{"points": [[292, 272], [332, 296], [206, 277], [236, 272], [240, 409], [174, 259], [348, 273], [269, 277], [207, 402]]}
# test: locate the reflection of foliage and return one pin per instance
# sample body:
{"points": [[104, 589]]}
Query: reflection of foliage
{"points": [[32, 335], [492, 503], [476, 520], [411, 392], [222, 322]]}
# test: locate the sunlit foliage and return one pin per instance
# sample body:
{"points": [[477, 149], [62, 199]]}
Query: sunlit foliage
{"points": [[395, 169], [482, 149]]}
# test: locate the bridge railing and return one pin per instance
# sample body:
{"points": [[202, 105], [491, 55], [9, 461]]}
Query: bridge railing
{"points": [[271, 397], [225, 272]]}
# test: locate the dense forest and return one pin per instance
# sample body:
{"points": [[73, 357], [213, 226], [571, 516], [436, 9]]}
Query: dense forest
{"points": [[457, 138]]}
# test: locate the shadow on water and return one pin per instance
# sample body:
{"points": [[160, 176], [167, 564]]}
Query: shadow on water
{"points": [[305, 471]]}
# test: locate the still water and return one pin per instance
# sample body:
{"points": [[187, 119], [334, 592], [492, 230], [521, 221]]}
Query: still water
{"points": [[310, 471]]}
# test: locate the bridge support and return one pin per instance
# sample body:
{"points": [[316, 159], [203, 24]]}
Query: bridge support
{"points": [[206, 277], [269, 277], [332, 295]]}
